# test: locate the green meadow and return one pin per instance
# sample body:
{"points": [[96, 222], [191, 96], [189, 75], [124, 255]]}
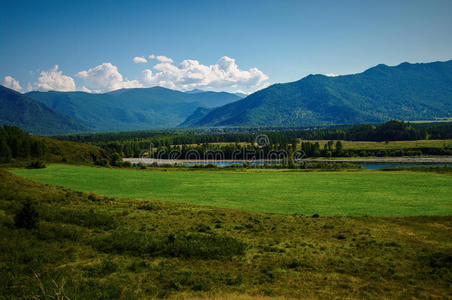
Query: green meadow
{"points": [[373, 193]]}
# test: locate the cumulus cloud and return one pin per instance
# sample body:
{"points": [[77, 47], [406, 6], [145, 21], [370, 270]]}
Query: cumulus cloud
{"points": [[163, 59], [104, 78], [139, 60], [190, 74], [11, 83], [152, 56], [54, 80], [224, 75]]}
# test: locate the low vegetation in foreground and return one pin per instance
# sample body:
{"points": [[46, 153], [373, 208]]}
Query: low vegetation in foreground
{"points": [[57, 242]]}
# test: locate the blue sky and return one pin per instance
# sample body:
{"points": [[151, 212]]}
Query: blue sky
{"points": [[226, 45]]}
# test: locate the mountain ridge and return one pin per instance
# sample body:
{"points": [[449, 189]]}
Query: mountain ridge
{"points": [[32, 116], [130, 109], [381, 93]]}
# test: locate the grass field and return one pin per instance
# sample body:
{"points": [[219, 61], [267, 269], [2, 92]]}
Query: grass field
{"points": [[91, 247], [325, 193]]}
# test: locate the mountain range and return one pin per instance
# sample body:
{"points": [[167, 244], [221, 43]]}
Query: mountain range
{"points": [[419, 91], [34, 117], [130, 109]]}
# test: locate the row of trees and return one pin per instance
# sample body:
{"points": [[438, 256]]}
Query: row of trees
{"points": [[389, 131], [14, 143]]}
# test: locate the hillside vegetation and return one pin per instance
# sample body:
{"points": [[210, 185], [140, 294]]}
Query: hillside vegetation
{"points": [[32, 116], [130, 109], [18, 148], [404, 92]]}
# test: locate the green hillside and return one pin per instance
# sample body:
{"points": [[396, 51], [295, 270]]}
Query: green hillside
{"points": [[406, 92], [32, 116], [130, 109]]}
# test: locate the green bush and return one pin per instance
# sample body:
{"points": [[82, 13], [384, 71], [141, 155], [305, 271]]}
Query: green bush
{"points": [[85, 218], [101, 162], [126, 164], [37, 164], [185, 245], [27, 217]]}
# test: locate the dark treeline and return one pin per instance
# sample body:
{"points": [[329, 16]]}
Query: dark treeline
{"points": [[14, 143], [134, 144], [236, 151]]}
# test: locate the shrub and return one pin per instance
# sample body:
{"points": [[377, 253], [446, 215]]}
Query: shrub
{"points": [[294, 263], [27, 217], [101, 162], [37, 164], [59, 232], [204, 228], [89, 219], [126, 164], [185, 245], [148, 206]]}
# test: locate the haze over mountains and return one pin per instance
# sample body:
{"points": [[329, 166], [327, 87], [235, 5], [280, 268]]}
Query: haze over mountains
{"points": [[404, 92], [131, 109]]}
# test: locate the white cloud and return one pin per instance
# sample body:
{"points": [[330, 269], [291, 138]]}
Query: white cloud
{"points": [[54, 80], [86, 90], [152, 56], [190, 74], [139, 60], [11, 83], [105, 78], [331, 75], [163, 59], [224, 75]]}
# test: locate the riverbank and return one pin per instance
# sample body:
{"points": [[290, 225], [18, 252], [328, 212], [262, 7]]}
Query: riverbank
{"points": [[150, 161]]}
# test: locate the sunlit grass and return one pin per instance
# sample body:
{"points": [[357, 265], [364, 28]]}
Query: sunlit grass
{"points": [[327, 193]]}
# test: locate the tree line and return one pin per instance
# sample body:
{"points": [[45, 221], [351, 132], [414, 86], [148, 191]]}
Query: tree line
{"points": [[134, 144], [16, 144]]}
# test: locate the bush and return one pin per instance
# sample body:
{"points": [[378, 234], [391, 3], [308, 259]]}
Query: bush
{"points": [[27, 217], [89, 219], [148, 206], [126, 164], [185, 245], [101, 162], [36, 165]]}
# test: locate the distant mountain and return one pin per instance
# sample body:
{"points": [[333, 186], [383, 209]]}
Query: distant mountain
{"points": [[404, 92], [130, 109], [195, 91], [214, 99], [32, 116], [195, 117], [241, 95]]}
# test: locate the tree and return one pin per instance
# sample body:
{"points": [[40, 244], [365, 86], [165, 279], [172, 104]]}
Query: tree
{"points": [[116, 159], [339, 148], [5, 152], [316, 150]]}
